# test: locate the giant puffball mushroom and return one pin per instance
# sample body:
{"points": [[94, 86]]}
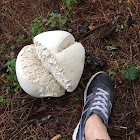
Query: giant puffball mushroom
{"points": [[53, 64]]}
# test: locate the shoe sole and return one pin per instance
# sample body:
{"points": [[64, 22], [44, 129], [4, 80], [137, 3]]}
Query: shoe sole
{"points": [[85, 94]]}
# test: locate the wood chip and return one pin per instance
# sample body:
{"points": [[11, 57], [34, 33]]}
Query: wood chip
{"points": [[90, 27], [56, 137]]}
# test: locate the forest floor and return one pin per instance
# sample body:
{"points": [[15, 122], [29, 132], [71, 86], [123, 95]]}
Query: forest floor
{"points": [[110, 33]]}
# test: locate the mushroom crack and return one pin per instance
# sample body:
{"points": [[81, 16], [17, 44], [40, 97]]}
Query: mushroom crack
{"points": [[49, 61]]}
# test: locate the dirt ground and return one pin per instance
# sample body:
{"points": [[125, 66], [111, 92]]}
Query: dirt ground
{"points": [[96, 24]]}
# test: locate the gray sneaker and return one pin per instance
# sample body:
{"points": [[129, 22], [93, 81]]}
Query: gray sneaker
{"points": [[98, 98]]}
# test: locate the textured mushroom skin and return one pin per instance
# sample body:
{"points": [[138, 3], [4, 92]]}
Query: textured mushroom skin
{"points": [[65, 61], [33, 77], [49, 61], [52, 65]]}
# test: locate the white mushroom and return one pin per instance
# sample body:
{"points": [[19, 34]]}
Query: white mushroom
{"points": [[52, 65]]}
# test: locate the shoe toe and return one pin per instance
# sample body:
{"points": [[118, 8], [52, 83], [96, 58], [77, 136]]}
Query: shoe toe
{"points": [[103, 81]]}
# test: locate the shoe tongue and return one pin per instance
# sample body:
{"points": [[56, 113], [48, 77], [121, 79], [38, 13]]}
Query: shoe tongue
{"points": [[94, 89]]}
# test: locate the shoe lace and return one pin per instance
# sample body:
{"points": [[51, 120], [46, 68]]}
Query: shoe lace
{"points": [[101, 102]]}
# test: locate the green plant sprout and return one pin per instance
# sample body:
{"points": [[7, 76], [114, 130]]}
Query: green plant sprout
{"points": [[7, 56], [36, 27], [110, 48], [132, 72], [119, 28], [4, 101], [8, 41], [66, 7], [67, 4], [40, 25], [111, 73], [122, 62], [56, 19], [12, 47], [20, 38], [11, 76]]}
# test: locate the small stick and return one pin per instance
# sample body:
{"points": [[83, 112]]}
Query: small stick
{"points": [[131, 54], [83, 37], [56, 137]]}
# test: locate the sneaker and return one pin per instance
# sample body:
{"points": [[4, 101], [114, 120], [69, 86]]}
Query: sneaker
{"points": [[98, 98]]}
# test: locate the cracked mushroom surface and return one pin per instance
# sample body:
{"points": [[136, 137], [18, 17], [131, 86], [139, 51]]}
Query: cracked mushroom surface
{"points": [[53, 64]]}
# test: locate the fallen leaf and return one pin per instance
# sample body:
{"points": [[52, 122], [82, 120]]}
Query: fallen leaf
{"points": [[84, 27], [109, 32], [130, 21], [39, 118]]}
